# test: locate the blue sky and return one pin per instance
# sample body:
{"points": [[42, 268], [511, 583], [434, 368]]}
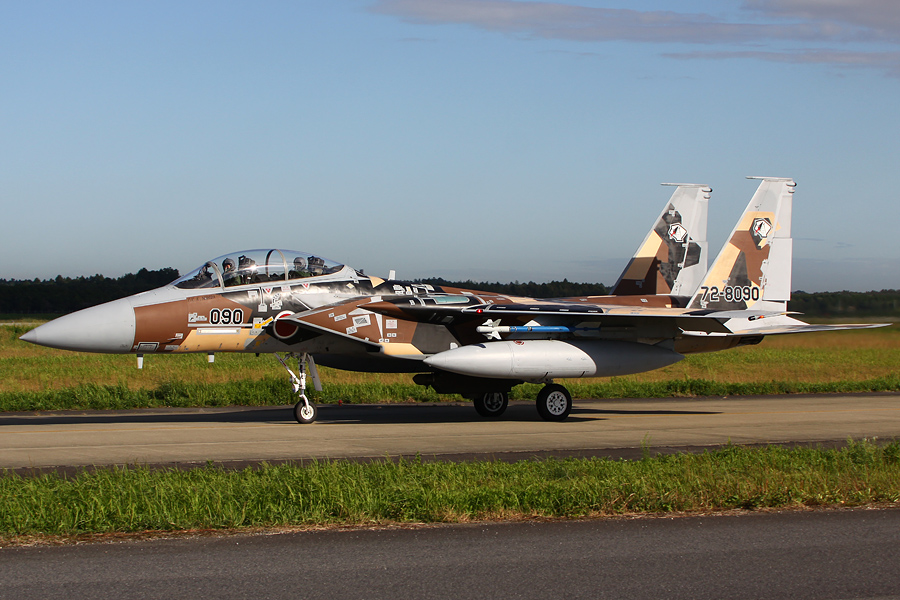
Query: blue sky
{"points": [[485, 139]]}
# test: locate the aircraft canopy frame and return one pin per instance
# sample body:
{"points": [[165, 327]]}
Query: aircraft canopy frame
{"points": [[254, 267]]}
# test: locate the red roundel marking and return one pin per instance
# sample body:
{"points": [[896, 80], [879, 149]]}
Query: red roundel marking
{"points": [[284, 329]]}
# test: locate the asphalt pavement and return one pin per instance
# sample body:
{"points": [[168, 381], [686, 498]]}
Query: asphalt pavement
{"points": [[245, 435], [821, 555]]}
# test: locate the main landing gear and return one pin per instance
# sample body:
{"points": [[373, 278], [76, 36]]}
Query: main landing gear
{"points": [[304, 411], [491, 404], [554, 403]]}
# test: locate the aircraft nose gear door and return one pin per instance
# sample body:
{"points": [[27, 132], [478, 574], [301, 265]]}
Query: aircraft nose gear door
{"points": [[304, 411]]}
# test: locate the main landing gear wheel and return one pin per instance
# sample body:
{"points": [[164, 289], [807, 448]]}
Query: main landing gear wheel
{"points": [[554, 403], [305, 412], [491, 404]]}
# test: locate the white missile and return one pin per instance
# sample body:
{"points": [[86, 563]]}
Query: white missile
{"points": [[527, 329], [539, 360]]}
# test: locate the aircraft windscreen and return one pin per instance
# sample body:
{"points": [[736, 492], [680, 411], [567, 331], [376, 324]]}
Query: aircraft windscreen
{"points": [[257, 266]]}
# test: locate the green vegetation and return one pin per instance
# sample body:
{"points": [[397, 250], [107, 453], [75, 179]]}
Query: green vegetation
{"points": [[844, 305], [847, 305], [346, 493], [269, 391], [553, 289], [36, 378], [65, 294], [263, 392], [20, 298]]}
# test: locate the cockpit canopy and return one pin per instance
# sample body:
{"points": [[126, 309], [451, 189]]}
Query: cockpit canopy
{"points": [[257, 266]]}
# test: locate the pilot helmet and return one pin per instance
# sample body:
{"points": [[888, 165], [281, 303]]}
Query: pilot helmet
{"points": [[228, 264], [300, 263]]}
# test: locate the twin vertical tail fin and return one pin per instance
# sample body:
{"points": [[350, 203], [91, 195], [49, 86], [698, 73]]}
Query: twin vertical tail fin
{"points": [[672, 259], [754, 267]]}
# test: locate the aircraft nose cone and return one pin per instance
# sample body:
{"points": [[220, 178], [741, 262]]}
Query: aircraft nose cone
{"points": [[105, 328]]}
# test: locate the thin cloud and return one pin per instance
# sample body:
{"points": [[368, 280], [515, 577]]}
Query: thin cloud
{"points": [[889, 62], [810, 23], [833, 243], [876, 19], [582, 23]]}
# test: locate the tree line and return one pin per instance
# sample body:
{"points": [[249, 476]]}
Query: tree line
{"points": [[554, 289], [883, 303], [67, 294]]}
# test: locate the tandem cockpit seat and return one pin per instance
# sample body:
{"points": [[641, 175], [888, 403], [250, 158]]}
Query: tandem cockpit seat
{"points": [[257, 267]]}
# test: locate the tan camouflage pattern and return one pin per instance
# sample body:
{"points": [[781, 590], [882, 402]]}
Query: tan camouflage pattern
{"points": [[742, 269], [656, 264], [672, 258]]}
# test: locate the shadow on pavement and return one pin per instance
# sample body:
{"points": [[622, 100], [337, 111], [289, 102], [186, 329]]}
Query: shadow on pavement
{"points": [[329, 414]]}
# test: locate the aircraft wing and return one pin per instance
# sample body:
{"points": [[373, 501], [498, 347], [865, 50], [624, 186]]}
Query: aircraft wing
{"points": [[575, 317], [354, 321], [394, 326], [336, 320], [554, 317]]}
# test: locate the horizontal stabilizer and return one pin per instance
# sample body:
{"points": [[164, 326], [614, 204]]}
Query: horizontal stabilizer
{"points": [[807, 328]]}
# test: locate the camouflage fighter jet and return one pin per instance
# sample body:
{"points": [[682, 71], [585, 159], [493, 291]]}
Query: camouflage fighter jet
{"points": [[478, 344]]}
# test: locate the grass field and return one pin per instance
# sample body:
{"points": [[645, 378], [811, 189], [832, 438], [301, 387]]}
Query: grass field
{"points": [[339, 493], [410, 491], [33, 377]]}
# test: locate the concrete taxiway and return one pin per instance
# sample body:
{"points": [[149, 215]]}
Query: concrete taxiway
{"points": [[166, 436]]}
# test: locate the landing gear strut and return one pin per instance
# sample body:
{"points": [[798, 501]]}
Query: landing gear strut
{"points": [[304, 411], [554, 403]]}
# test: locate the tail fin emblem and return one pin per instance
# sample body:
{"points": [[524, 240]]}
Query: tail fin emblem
{"points": [[761, 228], [677, 232]]}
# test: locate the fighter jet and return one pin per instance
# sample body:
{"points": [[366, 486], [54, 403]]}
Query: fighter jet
{"points": [[473, 343]]}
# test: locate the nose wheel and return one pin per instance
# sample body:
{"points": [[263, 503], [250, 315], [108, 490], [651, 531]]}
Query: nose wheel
{"points": [[304, 411]]}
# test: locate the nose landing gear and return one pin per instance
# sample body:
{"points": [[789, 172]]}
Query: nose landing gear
{"points": [[304, 411]]}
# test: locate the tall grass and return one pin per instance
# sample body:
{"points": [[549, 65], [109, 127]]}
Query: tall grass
{"points": [[264, 392], [36, 378], [340, 492], [267, 392]]}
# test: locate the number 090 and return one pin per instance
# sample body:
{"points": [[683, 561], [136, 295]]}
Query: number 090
{"points": [[226, 316]]}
